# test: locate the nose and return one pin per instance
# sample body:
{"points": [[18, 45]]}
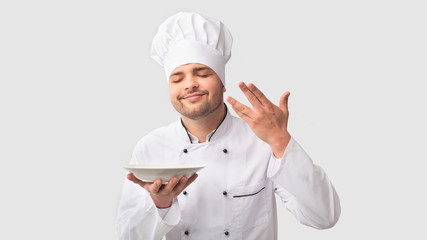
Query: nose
{"points": [[191, 83]]}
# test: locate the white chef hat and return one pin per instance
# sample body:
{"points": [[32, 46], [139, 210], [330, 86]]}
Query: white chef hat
{"points": [[192, 38]]}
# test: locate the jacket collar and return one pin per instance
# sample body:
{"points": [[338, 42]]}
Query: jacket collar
{"points": [[216, 134]]}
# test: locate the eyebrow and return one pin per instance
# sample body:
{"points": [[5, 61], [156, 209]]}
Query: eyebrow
{"points": [[200, 69], [194, 70], [177, 73]]}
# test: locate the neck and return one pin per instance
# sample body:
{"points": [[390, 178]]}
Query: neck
{"points": [[203, 126]]}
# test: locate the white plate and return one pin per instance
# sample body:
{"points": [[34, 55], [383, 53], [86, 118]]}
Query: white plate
{"points": [[149, 173]]}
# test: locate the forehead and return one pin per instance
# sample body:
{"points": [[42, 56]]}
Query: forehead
{"points": [[190, 67]]}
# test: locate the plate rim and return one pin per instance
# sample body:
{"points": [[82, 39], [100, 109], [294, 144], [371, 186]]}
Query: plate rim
{"points": [[162, 167]]}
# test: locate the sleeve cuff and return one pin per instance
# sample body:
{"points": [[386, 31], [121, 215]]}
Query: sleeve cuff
{"points": [[171, 215], [275, 163]]}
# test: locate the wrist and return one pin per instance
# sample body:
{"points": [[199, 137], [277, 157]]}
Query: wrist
{"points": [[278, 144], [161, 202]]}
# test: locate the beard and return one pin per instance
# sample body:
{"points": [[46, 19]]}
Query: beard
{"points": [[202, 108]]}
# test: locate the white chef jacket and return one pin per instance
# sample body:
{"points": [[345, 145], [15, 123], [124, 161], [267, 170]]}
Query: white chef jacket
{"points": [[233, 196]]}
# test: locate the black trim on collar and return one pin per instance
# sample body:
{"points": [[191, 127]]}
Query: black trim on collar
{"points": [[188, 135], [225, 115], [226, 112]]}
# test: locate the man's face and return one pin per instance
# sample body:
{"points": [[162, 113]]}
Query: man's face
{"points": [[195, 90]]}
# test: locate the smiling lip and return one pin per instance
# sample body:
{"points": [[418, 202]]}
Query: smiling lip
{"points": [[193, 97]]}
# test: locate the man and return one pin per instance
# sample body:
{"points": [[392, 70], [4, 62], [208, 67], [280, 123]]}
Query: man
{"points": [[248, 159]]}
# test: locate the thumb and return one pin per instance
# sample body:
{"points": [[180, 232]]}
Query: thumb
{"points": [[283, 104]]}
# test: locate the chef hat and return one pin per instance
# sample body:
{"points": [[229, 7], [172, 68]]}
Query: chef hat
{"points": [[192, 38]]}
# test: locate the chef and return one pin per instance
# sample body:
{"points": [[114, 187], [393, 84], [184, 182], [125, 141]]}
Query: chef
{"points": [[248, 159]]}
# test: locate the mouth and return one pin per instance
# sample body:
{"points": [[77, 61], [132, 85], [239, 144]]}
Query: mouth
{"points": [[193, 96]]}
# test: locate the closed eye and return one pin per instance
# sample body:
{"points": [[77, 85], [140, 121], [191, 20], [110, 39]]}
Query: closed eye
{"points": [[204, 75], [177, 80]]}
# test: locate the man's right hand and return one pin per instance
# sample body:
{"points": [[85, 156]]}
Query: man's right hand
{"points": [[163, 194]]}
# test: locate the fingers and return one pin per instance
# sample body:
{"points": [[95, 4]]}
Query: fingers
{"points": [[259, 95], [181, 185], [242, 110], [153, 187], [250, 95], [190, 180], [255, 97], [174, 186], [132, 178], [283, 104], [168, 188]]}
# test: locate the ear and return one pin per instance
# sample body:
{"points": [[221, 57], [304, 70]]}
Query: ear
{"points": [[223, 89]]}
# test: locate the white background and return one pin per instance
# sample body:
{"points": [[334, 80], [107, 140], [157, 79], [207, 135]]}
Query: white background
{"points": [[78, 89]]}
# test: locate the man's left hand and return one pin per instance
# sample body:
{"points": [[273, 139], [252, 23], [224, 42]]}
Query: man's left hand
{"points": [[268, 121]]}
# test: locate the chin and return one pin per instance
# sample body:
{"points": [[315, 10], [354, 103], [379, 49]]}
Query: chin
{"points": [[195, 112]]}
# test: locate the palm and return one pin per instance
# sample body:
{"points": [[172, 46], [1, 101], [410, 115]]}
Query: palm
{"points": [[268, 121]]}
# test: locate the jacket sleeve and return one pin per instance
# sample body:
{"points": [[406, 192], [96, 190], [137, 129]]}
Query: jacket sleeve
{"points": [[304, 188], [138, 218]]}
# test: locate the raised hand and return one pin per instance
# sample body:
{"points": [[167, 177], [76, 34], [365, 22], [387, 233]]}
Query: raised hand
{"points": [[268, 121]]}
